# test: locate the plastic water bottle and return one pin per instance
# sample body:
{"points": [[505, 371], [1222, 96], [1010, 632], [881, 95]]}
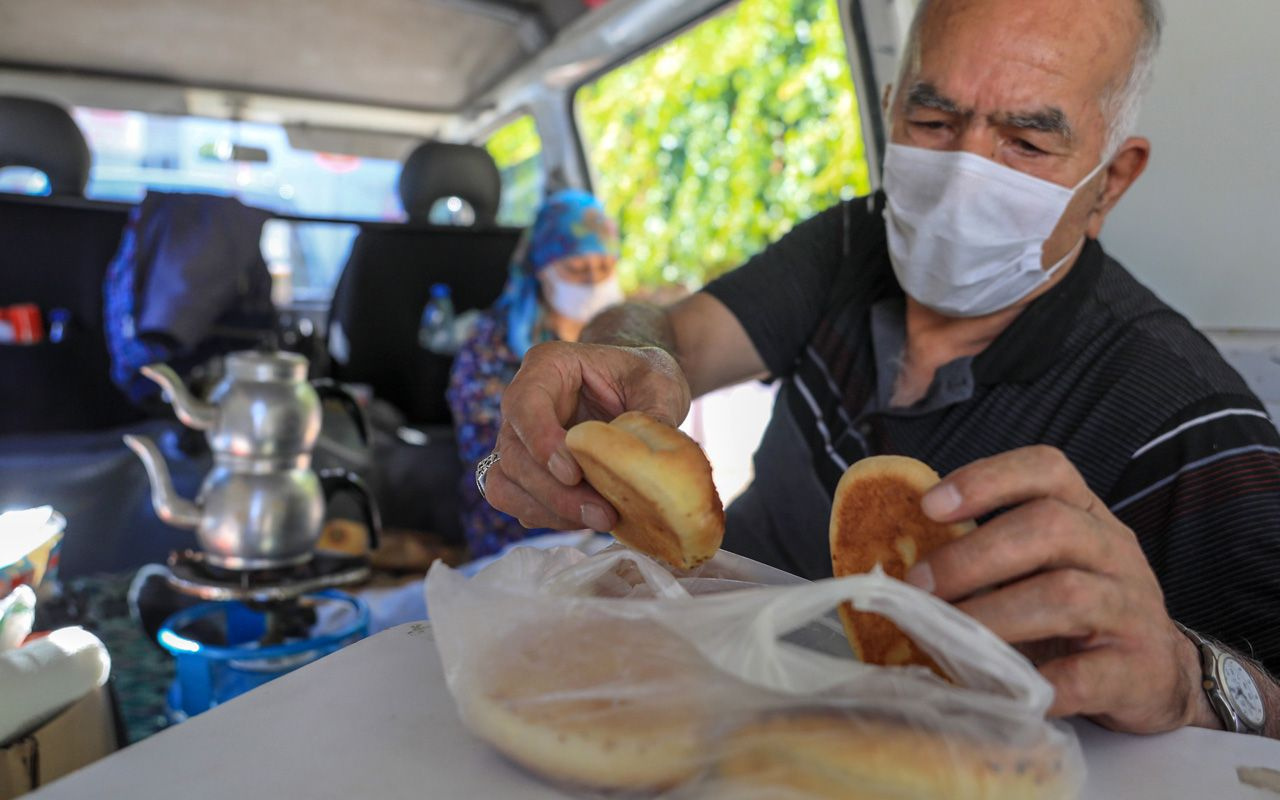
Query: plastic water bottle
{"points": [[59, 320], [436, 330]]}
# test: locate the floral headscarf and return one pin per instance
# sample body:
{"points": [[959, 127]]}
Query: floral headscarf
{"points": [[571, 222]]}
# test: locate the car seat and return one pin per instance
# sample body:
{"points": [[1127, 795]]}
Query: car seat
{"points": [[374, 318]]}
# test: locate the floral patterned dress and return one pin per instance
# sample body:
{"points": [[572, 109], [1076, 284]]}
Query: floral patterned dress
{"points": [[482, 369]]}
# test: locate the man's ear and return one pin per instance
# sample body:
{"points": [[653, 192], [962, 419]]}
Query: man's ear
{"points": [[887, 98], [1126, 165]]}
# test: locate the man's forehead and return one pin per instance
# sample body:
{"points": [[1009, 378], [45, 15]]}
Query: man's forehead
{"points": [[1042, 61], [1078, 41]]}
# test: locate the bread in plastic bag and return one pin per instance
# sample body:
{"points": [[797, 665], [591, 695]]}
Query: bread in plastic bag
{"points": [[609, 673]]}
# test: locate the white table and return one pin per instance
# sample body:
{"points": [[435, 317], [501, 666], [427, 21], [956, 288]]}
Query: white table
{"points": [[376, 721]]}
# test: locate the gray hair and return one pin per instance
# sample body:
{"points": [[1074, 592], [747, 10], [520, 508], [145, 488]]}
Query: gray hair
{"points": [[1122, 101]]}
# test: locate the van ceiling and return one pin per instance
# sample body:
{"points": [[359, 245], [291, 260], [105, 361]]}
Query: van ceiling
{"points": [[434, 55]]}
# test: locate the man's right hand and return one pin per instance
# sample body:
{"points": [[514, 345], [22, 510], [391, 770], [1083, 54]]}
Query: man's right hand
{"points": [[560, 384]]}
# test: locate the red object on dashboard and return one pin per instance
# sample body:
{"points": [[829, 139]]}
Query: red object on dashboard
{"points": [[21, 324]]}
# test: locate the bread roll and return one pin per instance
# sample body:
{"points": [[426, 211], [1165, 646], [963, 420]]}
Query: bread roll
{"points": [[609, 704], [659, 481], [876, 519], [833, 755]]}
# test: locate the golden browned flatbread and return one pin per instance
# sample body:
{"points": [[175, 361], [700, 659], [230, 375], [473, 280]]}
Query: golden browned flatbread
{"points": [[846, 757], [659, 480], [876, 519], [608, 704]]}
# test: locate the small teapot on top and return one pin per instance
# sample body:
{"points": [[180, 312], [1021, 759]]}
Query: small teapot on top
{"points": [[262, 408]]}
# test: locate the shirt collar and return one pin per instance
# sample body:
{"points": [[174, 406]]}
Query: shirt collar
{"points": [[953, 383], [1030, 345], [1024, 350]]}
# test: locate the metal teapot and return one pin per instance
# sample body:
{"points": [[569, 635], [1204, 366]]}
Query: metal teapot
{"points": [[262, 408], [261, 506], [261, 517]]}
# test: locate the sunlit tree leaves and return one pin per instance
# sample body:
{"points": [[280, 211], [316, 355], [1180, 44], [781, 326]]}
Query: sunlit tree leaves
{"points": [[717, 142]]}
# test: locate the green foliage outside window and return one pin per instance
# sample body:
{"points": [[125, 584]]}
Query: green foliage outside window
{"points": [[517, 149], [714, 144]]}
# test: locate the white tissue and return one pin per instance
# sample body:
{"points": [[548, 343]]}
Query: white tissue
{"points": [[39, 679]]}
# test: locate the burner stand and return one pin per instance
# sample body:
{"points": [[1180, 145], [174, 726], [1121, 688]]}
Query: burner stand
{"points": [[192, 574]]}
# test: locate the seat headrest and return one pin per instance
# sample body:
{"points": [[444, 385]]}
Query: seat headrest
{"points": [[435, 170], [42, 135]]}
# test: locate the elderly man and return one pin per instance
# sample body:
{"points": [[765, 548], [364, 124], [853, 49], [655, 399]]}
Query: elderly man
{"points": [[1125, 475]]}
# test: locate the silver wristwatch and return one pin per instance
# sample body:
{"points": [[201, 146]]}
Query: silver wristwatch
{"points": [[1231, 690]]}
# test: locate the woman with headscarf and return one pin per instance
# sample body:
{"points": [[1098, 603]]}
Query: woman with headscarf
{"points": [[561, 276]]}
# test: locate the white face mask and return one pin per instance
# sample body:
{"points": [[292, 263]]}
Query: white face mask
{"points": [[580, 301], [966, 235]]}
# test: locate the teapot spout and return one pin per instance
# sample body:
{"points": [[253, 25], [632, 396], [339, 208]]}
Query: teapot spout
{"points": [[193, 412], [170, 507]]}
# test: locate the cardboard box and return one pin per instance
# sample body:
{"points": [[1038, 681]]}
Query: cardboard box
{"points": [[80, 734]]}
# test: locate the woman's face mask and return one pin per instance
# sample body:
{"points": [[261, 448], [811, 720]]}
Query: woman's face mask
{"points": [[966, 235], [579, 301]]}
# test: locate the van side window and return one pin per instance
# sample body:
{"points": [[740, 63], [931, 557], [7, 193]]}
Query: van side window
{"points": [[258, 162], [713, 144], [517, 149]]}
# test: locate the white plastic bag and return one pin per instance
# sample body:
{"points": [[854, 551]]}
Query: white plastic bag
{"points": [[609, 672]]}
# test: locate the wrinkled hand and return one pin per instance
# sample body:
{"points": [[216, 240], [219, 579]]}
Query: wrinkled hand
{"points": [[560, 384], [1061, 578]]}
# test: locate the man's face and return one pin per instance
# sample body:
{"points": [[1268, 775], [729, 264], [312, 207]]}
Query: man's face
{"points": [[1021, 82]]}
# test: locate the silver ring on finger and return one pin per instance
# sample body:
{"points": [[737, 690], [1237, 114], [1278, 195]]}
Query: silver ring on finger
{"points": [[482, 470]]}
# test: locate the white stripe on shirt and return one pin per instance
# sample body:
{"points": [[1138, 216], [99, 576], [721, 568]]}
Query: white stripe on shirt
{"points": [[835, 391], [1194, 465], [1230, 412], [822, 425]]}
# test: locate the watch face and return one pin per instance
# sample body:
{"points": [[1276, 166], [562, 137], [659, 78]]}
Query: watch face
{"points": [[1243, 692]]}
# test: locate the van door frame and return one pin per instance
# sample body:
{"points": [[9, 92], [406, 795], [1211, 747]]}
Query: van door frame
{"points": [[858, 36], [876, 30]]}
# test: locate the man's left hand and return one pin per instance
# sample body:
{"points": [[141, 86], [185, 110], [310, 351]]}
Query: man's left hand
{"points": [[1061, 578]]}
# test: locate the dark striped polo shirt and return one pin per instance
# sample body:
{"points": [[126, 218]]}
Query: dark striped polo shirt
{"points": [[1159, 425]]}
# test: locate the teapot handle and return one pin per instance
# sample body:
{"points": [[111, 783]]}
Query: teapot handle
{"points": [[333, 481], [327, 388]]}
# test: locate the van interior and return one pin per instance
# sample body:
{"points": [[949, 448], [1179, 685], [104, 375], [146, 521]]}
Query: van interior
{"points": [[389, 146]]}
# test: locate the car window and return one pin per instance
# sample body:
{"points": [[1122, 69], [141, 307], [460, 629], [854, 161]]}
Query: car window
{"points": [[517, 149], [716, 142], [134, 152], [306, 259]]}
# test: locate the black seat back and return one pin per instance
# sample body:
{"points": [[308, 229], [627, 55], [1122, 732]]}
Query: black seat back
{"points": [[379, 300], [55, 254]]}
